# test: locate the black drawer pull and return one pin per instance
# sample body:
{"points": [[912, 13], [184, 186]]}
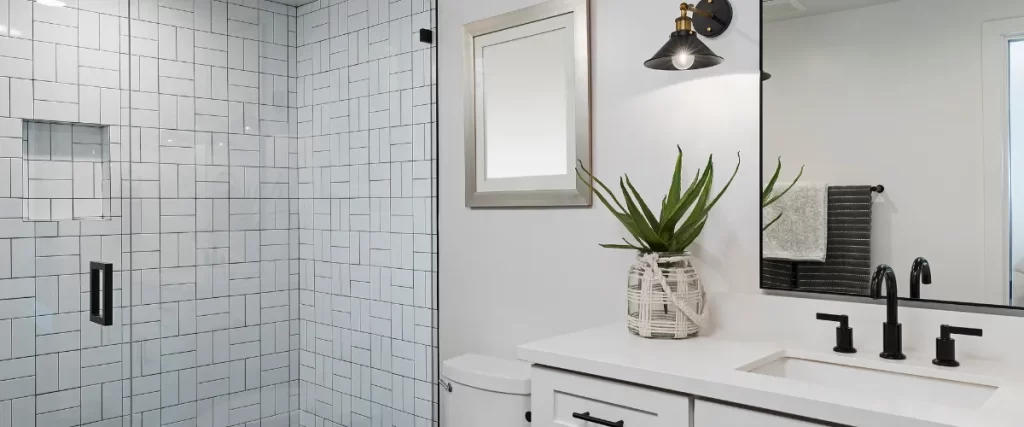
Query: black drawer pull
{"points": [[586, 417], [104, 316]]}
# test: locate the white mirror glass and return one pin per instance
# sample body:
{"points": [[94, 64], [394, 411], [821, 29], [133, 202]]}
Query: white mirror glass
{"points": [[525, 99]]}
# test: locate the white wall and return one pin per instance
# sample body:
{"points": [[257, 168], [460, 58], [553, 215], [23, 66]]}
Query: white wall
{"points": [[892, 95], [515, 275]]}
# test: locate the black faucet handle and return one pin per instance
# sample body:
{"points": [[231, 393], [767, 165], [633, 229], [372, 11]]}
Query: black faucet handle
{"points": [[945, 331], [945, 346], [844, 320], [844, 333]]}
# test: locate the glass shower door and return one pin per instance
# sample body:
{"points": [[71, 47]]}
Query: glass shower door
{"points": [[211, 235], [62, 208]]}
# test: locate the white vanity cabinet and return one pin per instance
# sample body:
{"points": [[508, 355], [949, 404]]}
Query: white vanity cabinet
{"points": [[557, 395], [711, 414], [567, 399], [709, 381]]}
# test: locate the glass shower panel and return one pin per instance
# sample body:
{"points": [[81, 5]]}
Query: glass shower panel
{"points": [[211, 229], [63, 118]]}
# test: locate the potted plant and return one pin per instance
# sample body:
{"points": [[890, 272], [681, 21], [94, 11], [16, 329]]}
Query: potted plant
{"points": [[665, 296]]}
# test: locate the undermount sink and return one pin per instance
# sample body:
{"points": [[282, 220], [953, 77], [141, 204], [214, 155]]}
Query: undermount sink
{"points": [[879, 383]]}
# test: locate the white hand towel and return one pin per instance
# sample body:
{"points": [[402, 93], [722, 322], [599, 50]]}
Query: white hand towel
{"points": [[802, 232]]}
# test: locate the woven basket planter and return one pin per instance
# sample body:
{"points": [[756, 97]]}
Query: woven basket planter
{"points": [[665, 297]]}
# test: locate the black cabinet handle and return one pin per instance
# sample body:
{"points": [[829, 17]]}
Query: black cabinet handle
{"points": [[104, 316], [586, 417]]}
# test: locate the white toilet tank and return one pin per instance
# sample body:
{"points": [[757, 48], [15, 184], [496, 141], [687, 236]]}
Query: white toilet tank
{"points": [[485, 392]]}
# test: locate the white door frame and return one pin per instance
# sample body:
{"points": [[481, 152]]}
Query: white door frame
{"points": [[995, 40]]}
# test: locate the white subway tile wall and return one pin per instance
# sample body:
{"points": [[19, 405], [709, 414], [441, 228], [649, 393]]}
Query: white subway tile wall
{"points": [[271, 219], [202, 227], [367, 203]]}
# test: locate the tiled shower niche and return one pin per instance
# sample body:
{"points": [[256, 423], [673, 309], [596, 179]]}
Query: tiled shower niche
{"points": [[66, 171]]}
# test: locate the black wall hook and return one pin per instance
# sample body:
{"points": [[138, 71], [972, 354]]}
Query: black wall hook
{"points": [[426, 36]]}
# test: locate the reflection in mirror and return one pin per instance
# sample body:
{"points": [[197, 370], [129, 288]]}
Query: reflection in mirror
{"points": [[925, 97]]}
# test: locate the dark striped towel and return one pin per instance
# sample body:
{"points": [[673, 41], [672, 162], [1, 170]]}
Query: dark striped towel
{"points": [[847, 266]]}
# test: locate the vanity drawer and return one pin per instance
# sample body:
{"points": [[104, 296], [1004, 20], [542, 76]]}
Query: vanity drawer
{"points": [[558, 395], [711, 414]]}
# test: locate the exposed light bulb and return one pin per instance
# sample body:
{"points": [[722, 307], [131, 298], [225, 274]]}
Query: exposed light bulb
{"points": [[682, 60]]}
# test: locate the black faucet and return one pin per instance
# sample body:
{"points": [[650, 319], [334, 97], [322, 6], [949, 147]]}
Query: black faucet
{"points": [[920, 272], [945, 345], [892, 331]]}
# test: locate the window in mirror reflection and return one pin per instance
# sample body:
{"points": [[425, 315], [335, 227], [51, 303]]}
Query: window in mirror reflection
{"points": [[1016, 131]]}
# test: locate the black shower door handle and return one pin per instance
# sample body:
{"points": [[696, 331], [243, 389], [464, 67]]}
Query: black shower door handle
{"points": [[104, 316]]}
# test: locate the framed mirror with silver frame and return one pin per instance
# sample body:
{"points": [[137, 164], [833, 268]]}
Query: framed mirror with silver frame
{"points": [[924, 97], [527, 107]]}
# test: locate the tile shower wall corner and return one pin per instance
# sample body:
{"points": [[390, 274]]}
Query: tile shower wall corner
{"points": [[367, 196], [203, 231]]}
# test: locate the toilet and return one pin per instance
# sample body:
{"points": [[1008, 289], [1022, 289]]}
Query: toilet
{"points": [[485, 392]]}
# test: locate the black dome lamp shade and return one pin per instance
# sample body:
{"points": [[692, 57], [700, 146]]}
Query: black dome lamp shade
{"points": [[684, 50]]}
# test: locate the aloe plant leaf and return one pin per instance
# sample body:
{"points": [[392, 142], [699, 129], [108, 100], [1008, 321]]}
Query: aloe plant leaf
{"points": [[739, 160], [700, 209], [676, 187], [783, 193], [668, 227], [693, 184], [623, 218], [777, 217], [647, 233], [767, 192], [678, 211], [600, 195], [615, 246], [651, 219], [628, 245], [640, 243], [686, 237], [598, 181]]}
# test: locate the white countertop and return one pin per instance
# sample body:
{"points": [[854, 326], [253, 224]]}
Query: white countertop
{"points": [[707, 367]]}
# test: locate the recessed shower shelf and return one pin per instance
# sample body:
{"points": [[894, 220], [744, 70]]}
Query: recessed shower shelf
{"points": [[66, 173]]}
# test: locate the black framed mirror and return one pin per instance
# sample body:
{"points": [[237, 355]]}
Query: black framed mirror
{"points": [[907, 119]]}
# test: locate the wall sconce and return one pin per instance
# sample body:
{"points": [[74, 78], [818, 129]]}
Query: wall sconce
{"points": [[684, 51]]}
